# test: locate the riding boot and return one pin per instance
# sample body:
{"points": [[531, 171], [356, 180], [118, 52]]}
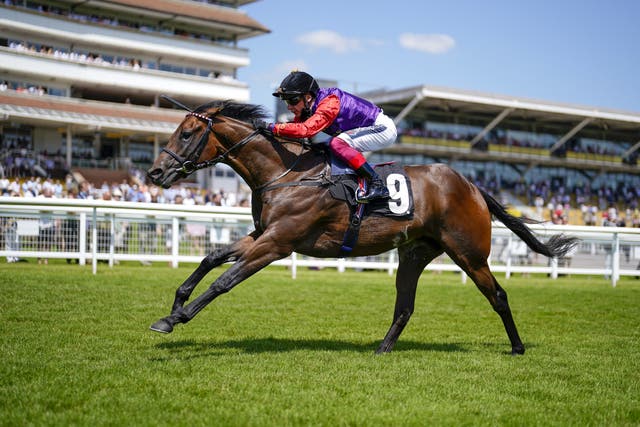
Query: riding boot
{"points": [[376, 188], [358, 163]]}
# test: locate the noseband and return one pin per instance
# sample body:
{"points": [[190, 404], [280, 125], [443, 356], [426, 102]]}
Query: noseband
{"points": [[190, 164]]}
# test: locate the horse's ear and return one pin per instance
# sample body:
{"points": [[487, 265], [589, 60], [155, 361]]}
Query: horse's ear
{"points": [[214, 111]]}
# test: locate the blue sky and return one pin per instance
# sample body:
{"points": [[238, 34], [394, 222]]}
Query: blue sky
{"points": [[578, 52]]}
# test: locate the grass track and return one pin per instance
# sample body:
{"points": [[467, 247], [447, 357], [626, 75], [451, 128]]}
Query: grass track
{"points": [[76, 350]]}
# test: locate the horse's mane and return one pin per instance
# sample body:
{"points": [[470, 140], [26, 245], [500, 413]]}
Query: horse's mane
{"points": [[235, 110]]}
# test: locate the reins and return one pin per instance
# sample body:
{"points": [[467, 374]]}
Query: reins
{"points": [[187, 166]]}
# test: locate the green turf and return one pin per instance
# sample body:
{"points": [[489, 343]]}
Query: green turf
{"points": [[76, 350]]}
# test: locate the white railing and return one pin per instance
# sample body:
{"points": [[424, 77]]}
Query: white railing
{"points": [[112, 232]]}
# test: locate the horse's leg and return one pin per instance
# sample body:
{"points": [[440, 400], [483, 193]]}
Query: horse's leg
{"points": [[413, 258], [211, 261], [488, 285], [474, 263], [255, 257], [503, 309]]}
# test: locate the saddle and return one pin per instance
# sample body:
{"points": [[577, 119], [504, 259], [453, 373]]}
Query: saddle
{"points": [[344, 185], [400, 203]]}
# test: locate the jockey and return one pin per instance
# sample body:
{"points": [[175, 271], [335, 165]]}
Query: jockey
{"points": [[355, 124]]}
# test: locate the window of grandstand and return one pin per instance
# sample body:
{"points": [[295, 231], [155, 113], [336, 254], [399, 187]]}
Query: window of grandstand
{"points": [[16, 136]]}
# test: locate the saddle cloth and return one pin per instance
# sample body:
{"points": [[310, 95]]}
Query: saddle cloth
{"points": [[400, 202]]}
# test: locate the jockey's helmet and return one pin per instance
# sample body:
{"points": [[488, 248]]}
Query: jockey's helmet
{"points": [[295, 84]]}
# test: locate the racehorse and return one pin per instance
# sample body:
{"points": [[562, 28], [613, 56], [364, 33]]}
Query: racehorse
{"points": [[294, 212]]}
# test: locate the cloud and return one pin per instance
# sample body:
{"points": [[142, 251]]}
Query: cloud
{"points": [[428, 43], [326, 39]]}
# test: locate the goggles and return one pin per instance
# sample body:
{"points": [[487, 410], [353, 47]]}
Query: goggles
{"points": [[294, 100]]}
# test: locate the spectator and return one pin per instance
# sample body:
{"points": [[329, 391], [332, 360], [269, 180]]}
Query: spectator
{"points": [[47, 228], [71, 229], [10, 231]]}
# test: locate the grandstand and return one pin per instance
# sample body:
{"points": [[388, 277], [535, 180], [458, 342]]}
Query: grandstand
{"points": [[532, 148], [81, 80]]}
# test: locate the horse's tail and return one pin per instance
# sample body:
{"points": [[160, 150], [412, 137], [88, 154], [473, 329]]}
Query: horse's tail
{"points": [[556, 247]]}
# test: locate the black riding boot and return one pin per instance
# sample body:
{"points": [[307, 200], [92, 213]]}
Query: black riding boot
{"points": [[376, 188]]}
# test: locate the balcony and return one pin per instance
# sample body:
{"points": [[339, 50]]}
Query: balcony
{"points": [[51, 71], [54, 30]]}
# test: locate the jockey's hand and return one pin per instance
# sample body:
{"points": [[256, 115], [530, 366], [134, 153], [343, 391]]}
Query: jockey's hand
{"points": [[265, 128]]}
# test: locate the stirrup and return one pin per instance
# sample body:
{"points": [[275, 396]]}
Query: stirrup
{"points": [[361, 196], [361, 191], [368, 193]]}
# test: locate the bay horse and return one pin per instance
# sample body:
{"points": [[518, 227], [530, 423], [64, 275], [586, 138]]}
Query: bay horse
{"points": [[293, 212]]}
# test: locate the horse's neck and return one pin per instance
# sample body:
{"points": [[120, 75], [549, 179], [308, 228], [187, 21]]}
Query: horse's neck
{"points": [[263, 160]]}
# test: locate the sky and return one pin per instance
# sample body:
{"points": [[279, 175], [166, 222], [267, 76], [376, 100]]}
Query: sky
{"points": [[581, 52]]}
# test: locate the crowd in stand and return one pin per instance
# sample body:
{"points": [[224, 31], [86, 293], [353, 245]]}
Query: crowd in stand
{"points": [[23, 88], [134, 64], [493, 138], [501, 139], [20, 162], [617, 205], [122, 191], [76, 56], [550, 200]]}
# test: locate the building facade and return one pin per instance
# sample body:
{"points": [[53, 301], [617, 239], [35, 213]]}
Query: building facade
{"points": [[81, 80]]}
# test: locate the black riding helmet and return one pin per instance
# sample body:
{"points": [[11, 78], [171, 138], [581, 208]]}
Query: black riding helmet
{"points": [[297, 83]]}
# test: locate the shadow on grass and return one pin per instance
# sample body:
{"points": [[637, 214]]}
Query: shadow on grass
{"points": [[192, 348]]}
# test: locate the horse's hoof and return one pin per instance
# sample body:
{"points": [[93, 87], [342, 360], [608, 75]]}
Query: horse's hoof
{"points": [[384, 348], [163, 326], [517, 351]]}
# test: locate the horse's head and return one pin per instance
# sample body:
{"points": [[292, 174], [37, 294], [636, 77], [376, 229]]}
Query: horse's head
{"points": [[205, 137]]}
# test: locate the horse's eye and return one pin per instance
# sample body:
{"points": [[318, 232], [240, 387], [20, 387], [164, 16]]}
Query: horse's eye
{"points": [[186, 135]]}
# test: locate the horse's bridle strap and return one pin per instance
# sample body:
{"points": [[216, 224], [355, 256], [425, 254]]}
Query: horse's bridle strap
{"points": [[188, 166]]}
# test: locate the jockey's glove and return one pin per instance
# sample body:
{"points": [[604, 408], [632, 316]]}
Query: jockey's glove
{"points": [[265, 128]]}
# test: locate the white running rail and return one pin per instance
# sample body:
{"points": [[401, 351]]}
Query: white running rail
{"points": [[85, 231]]}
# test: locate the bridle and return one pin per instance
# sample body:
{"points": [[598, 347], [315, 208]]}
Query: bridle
{"points": [[187, 166]]}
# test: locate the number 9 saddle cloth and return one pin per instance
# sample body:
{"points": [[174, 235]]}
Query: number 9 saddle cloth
{"points": [[400, 202]]}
